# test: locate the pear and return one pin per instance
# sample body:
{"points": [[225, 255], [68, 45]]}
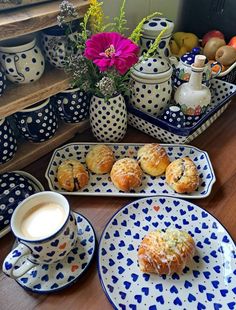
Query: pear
{"points": [[187, 39], [212, 46], [178, 37], [226, 55], [174, 47]]}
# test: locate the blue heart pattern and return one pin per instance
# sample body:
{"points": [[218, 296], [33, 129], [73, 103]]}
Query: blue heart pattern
{"points": [[57, 275], [198, 286], [151, 185]]}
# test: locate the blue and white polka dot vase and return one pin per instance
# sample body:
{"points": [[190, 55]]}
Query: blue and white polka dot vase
{"points": [[108, 119], [150, 31], [72, 105], [2, 82], [37, 123], [22, 60], [8, 145]]}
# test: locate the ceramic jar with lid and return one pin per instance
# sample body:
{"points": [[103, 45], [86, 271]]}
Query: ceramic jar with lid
{"points": [[151, 85], [182, 68], [151, 29]]}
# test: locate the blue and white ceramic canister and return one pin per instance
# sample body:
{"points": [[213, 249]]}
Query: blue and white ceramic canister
{"points": [[42, 247], [150, 31], [37, 123], [22, 59], [2, 81], [8, 145], [72, 105], [151, 88]]}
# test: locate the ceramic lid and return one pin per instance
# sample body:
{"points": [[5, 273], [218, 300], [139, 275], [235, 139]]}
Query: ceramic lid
{"points": [[155, 25], [189, 57], [155, 67]]}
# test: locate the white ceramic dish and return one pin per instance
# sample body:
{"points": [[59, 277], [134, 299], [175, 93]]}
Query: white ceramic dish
{"points": [[36, 185], [151, 186], [208, 282]]}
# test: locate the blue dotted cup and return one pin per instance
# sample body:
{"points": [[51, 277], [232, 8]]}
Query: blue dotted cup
{"points": [[72, 105], [2, 82], [37, 123], [174, 116], [8, 145]]}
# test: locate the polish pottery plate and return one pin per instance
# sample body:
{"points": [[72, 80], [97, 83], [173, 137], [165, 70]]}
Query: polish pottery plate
{"points": [[57, 276], [151, 186], [15, 186], [208, 282]]}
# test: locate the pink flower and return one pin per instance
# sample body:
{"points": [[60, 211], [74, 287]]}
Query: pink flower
{"points": [[110, 49]]}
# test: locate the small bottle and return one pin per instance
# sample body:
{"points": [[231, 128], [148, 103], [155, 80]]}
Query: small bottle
{"points": [[194, 97]]}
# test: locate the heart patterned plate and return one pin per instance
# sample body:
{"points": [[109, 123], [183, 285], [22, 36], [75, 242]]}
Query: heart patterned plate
{"points": [[208, 282], [151, 186], [56, 276]]}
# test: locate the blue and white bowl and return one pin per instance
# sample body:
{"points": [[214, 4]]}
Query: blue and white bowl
{"points": [[37, 123], [14, 188], [72, 105], [2, 82], [174, 116], [8, 146]]}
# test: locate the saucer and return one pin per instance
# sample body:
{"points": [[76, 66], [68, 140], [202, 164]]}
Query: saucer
{"points": [[57, 276], [34, 186]]}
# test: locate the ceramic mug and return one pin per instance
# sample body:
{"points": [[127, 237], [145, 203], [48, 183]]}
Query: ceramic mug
{"points": [[37, 123], [22, 60], [174, 116], [40, 247], [2, 81], [56, 45], [8, 145], [72, 105]]}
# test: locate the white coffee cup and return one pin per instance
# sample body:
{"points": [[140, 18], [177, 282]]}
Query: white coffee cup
{"points": [[46, 231]]}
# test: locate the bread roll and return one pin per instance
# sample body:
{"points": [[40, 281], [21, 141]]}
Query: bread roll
{"points": [[165, 252], [182, 175], [100, 159], [72, 175], [126, 174], [153, 159]]}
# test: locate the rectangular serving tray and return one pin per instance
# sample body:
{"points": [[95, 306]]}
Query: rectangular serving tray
{"points": [[222, 92], [101, 185]]}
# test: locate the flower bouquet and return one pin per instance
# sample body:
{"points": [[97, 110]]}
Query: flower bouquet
{"points": [[101, 64]]}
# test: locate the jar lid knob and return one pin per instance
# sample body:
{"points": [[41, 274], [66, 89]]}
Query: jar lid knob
{"points": [[199, 61]]}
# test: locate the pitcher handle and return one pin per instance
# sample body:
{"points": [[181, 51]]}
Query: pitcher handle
{"points": [[215, 63], [12, 258]]}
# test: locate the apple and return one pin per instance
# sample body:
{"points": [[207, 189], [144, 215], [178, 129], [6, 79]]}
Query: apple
{"points": [[212, 34], [232, 42]]}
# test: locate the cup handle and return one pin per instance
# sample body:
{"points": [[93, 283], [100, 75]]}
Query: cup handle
{"points": [[12, 258], [26, 127], [12, 69], [219, 71], [60, 104]]}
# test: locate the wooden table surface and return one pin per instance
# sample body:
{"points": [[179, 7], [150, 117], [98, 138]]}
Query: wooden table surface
{"points": [[219, 140]]}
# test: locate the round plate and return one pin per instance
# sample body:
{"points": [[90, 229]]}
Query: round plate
{"points": [[36, 185], [208, 282], [54, 277]]}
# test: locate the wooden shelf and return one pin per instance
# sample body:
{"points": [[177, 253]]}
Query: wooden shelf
{"points": [[29, 152], [18, 97], [33, 18]]}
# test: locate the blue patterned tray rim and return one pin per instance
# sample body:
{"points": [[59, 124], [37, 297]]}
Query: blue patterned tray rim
{"points": [[181, 131]]}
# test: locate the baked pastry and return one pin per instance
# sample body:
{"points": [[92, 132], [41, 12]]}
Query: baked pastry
{"points": [[182, 175], [165, 252], [153, 159], [126, 174], [100, 159], [72, 175]]}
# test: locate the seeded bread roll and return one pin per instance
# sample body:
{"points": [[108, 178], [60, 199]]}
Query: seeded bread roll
{"points": [[126, 174], [165, 252], [72, 175], [100, 159], [153, 159], [182, 175]]}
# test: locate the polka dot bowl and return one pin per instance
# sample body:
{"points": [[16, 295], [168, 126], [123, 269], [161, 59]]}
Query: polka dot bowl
{"points": [[14, 188]]}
